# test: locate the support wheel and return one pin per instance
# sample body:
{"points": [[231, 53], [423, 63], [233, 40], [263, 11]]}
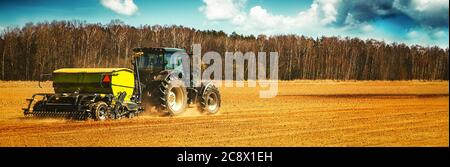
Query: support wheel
{"points": [[131, 115], [101, 111]]}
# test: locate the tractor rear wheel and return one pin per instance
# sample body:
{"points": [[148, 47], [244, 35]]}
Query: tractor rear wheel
{"points": [[210, 100], [173, 96], [101, 111]]}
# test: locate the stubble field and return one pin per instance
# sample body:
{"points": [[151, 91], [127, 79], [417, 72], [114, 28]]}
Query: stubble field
{"points": [[305, 113]]}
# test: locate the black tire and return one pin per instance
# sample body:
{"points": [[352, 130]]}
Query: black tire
{"points": [[210, 100], [101, 111], [172, 96]]}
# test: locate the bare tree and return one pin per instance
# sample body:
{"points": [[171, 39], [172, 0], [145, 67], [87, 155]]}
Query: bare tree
{"points": [[42, 47]]}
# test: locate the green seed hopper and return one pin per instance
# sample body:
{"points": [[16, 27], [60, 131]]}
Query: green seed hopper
{"points": [[94, 80]]}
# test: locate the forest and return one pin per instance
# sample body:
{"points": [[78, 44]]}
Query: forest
{"points": [[40, 48]]}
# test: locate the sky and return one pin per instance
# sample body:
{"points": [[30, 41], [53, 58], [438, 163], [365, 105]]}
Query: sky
{"points": [[422, 22]]}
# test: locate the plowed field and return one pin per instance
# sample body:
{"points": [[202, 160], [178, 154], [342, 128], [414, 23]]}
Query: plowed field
{"points": [[305, 113]]}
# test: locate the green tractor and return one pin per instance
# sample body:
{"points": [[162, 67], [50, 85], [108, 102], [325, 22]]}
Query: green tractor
{"points": [[113, 93]]}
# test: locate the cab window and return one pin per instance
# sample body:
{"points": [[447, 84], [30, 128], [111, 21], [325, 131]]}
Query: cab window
{"points": [[151, 60]]}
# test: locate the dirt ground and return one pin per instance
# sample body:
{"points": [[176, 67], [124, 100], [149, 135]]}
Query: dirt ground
{"points": [[305, 113]]}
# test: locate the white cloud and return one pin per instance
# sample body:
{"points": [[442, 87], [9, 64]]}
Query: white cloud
{"points": [[367, 28], [429, 5], [321, 12], [259, 18], [328, 10], [222, 9], [124, 7], [338, 18], [428, 12], [426, 37], [439, 34]]}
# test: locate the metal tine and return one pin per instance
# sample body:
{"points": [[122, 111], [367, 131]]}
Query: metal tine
{"points": [[68, 115]]}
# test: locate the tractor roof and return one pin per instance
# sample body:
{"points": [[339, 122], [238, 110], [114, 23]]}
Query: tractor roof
{"points": [[174, 50], [155, 49]]}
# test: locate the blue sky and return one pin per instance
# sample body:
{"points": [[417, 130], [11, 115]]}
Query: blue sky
{"points": [[423, 22]]}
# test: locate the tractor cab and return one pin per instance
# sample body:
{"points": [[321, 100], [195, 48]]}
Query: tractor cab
{"points": [[151, 61], [157, 59]]}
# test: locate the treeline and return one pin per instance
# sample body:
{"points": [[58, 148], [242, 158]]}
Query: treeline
{"points": [[39, 48]]}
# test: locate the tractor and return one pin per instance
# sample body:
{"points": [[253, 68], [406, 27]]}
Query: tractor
{"points": [[113, 93]]}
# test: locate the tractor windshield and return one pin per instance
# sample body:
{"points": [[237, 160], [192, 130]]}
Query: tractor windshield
{"points": [[158, 61], [152, 61]]}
